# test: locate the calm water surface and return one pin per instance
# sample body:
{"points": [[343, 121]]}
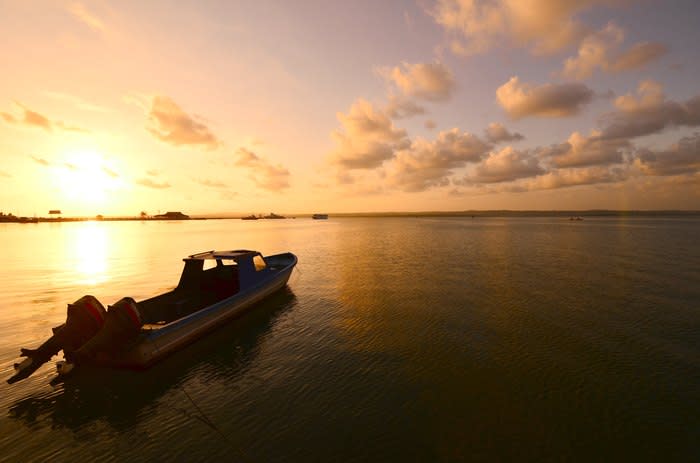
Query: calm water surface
{"points": [[408, 339]]}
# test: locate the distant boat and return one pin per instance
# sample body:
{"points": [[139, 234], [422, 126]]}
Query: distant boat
{"points": [[575, 218], [249, 217], [274, 216], [319, 216], [136, 335]]}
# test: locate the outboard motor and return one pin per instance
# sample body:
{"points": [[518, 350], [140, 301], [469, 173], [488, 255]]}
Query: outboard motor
{"points": [[84, 319], [122, 324]]}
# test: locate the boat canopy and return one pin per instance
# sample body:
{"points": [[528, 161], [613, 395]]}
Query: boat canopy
{"points": [[235, 255], [250, 267]]}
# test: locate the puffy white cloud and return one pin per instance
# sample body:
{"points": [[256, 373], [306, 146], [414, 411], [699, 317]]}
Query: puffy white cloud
{"points": [[399, 108], [497, 133], [367, 139], [601, 50], [681, 158], [594, 52], [505, 165], [541, 26], [647, 113], [563, 178], [169, 123], [582, 151], [427, 81], [265, 175], [426, 164], [548, 100]]}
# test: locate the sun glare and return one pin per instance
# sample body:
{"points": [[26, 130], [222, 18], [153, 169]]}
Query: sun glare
{"points": [[85, 179]]}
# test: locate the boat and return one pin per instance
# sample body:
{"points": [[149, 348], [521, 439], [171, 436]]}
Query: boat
{"points": [[136, 335], [249, 217], [274, 216], [319, 216]]}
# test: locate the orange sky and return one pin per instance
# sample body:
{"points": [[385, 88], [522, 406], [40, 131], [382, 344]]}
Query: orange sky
{"points": [[237, 107]]}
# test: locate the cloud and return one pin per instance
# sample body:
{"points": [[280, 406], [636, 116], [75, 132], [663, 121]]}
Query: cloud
{"points": [[69, 128], [426, 164], [506, 165], [41, 161], [109, 172], [149, 183], [30, 118], [263, 173], [679, 159], [427, 81], [497, 133], [581, 151], [548, 100], [540, 26], [400, 108], [77, 102], [86, 17], [594, 52], [211, 183], [601, 50], [172, 125], [367, 139], [639, 55], [647, 113], [564, 178], [430, 124]]}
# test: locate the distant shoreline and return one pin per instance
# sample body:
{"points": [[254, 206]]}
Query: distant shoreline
{"points": [[468, 214], [528, 213]]}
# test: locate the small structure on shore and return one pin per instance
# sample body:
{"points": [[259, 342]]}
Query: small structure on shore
{"points": [[172, 215]]}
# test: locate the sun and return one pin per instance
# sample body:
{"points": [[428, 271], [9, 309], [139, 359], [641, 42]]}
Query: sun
{"points": [[86, 180]]}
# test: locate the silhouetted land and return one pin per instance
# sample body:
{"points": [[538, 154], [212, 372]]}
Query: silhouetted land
{"points": [[532, 213], [468, 214]]}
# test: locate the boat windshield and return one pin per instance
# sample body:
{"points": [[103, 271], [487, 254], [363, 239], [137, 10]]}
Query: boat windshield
{"points": [[259, 263]]}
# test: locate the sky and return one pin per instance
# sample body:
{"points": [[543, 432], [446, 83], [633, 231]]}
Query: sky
{"points": [[211, 107]]}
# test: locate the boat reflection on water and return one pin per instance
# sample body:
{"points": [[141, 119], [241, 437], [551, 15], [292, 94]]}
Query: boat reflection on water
{"points": [[122, 398]]}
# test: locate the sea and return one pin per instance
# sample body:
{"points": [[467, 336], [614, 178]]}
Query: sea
{"points": [[396, 339]]}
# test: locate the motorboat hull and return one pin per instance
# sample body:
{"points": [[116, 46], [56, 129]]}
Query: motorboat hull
{"points": [[155, 343]]}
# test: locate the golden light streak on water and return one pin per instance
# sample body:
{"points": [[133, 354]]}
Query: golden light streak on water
{"points": [[89, 251]]}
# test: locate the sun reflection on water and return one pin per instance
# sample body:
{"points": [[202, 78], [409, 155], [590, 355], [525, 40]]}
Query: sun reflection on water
{"points": [[90, 253]]}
